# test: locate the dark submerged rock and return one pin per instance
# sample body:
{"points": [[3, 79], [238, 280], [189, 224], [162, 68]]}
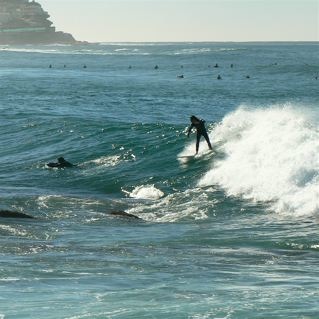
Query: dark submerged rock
{"points": [[12, 214], [121, 213]]}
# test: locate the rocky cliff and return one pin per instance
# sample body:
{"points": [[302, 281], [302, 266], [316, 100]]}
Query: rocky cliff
{"points": [[25, 22]]}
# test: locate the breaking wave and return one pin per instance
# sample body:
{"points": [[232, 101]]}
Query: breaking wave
{"points": [[269, 155]]}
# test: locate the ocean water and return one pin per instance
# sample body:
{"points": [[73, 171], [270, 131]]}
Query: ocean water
{"points": [[228, 234]]}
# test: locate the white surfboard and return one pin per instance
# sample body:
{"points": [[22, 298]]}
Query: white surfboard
{"points": [[186, 158]]}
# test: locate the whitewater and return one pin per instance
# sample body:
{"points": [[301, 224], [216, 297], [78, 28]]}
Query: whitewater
{"points": [[270, 155], [139, 227]]}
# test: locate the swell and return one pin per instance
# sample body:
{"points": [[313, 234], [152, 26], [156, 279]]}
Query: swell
{"points": [[109, 156]]}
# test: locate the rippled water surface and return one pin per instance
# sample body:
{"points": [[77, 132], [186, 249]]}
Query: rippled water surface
{"points": [[231, 233]]}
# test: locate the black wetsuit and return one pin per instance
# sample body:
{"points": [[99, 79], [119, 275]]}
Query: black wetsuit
{"points": [[201, 131], [62, 163]]}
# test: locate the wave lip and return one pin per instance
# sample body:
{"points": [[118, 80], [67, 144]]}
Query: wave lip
{"points": [[271, 155]]}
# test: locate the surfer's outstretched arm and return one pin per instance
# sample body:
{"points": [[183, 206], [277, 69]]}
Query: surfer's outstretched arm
{"points": [[190, 129]]}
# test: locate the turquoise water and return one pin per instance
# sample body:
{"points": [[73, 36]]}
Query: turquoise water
{"points": [[228, 234]]}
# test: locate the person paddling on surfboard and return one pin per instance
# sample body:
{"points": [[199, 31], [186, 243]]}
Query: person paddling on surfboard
{"points": [[201, 131], [62, 163]]}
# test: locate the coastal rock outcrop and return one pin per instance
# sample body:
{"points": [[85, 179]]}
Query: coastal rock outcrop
{"points": [[25, 22]]}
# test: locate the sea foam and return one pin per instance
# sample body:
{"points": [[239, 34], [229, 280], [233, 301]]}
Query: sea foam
{"points": [[271, 155], [146, 192]]}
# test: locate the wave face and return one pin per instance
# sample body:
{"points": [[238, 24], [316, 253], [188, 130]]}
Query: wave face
{"points": [[270, 155]]}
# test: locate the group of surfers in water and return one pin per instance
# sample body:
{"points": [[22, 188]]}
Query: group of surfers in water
{"points": [[196, 123]]}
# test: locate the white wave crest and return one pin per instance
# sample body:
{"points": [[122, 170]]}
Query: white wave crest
{"points": [[271, 155], [146, 192], [107, 160], [189, 204]]}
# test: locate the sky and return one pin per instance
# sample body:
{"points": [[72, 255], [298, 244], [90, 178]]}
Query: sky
{"points": [[186, 20]]}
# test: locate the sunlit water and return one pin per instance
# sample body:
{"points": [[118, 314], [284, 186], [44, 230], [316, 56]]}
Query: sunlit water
{"points": [[227, 234]]}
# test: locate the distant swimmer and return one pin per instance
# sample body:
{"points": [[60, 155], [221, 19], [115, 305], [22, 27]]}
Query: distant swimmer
{"points": [[247, 77], [84, 66], [180, 76], [156, 67], [216, 66], [219, 77], [50, 66], [62, 163], [201, 131], [232, 65]]}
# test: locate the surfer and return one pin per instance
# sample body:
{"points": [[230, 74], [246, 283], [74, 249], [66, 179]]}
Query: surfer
{"points": [[201, 131], [62, 163]]}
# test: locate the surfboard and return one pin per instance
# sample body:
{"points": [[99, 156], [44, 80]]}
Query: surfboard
{"points": [[206, 153], [188, 158]]}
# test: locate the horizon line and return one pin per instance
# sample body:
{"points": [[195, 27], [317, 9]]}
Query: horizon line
{"points": [[190, 42]]}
